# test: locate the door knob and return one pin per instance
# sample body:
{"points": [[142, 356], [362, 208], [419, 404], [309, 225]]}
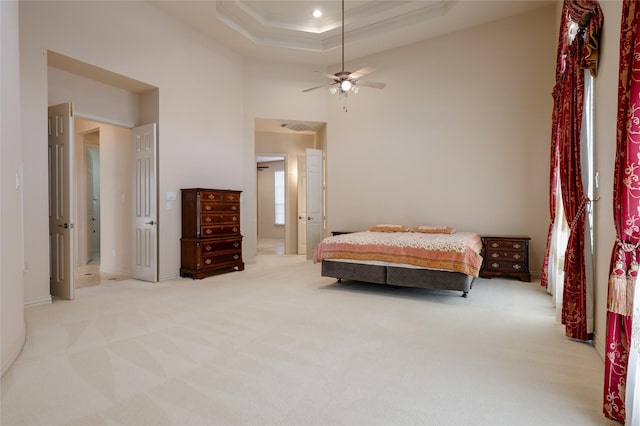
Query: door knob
{"points": [[309, 218], [65, 226], [150, 223]]}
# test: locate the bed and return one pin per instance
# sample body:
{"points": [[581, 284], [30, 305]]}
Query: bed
{"points": [[393, 255]]}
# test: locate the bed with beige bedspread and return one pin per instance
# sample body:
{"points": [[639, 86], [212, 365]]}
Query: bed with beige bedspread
{"points": [[423, 257]]}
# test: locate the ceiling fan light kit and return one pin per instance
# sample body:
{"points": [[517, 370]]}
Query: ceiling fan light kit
{"points": [[343, 81]]}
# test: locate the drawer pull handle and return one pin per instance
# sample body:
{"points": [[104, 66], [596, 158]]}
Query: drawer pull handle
{"points": [[234, 208], [207, 207], [208, 248], [236, 257], [516, 246], [495, 255], [516, 256], [235, 219], [211, 196], [236, 245], [235, 229], [208, 231], [208, 261], [516, 266], [494, 245], [495, 265], [207, 219]]}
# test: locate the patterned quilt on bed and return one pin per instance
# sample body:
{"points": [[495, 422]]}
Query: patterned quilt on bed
{"points": [[458, 252]]}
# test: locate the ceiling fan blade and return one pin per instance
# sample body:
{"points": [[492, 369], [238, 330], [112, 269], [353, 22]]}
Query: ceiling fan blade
{"points": [[375, 84], [331, 76], [362, 71], [314, 88]]}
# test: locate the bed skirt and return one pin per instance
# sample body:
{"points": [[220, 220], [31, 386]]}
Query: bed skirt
{"points": [[398, 276]]}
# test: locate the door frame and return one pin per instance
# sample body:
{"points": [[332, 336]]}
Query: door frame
{"points": [[71, 188]]}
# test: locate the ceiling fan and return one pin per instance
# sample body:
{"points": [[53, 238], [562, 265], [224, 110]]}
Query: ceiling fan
{"points": [[343, 81]]}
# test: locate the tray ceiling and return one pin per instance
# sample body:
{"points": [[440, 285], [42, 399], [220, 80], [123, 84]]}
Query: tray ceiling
{"points": [[286, 30]]}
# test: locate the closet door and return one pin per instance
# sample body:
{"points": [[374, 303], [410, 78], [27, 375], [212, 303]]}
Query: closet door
{"points": [[60, 143], [145, 203]]}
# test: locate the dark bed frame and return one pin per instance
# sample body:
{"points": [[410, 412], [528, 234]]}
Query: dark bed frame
{"points": [[398, 276]]}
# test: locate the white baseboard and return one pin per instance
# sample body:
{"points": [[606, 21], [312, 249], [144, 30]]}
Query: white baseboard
{"points": [[39, 301], [17, 348], [167, 277]]}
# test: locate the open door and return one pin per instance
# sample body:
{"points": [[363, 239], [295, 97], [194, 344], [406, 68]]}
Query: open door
{"points": [[302, 205], [315, 210], [60, 144], [92, 198], [145, 203]]}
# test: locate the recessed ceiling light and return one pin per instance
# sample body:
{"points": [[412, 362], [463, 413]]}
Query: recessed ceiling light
{"points": [[317, 13]]}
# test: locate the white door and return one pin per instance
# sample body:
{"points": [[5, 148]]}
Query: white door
{"points": [[93, 202], [89, 203], [302, 205], [145, 203], [314, 200], [60, 143]]}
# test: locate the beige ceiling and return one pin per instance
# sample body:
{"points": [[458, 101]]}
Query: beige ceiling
{"points": [[285, 31]]}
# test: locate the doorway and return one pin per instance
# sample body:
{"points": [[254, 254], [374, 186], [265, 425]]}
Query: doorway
{"points": [[127, 247], [274, 141], [96, 212], [271, 192]]}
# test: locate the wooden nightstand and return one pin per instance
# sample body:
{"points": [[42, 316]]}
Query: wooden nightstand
{"points": [[505, 256]]}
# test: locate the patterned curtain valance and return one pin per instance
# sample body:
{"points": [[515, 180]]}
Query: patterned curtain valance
{"points": [[588, 15]]}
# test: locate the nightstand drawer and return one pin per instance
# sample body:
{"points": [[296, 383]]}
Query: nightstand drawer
{"points": [[494, 244], [505, 255], [505, 266]]}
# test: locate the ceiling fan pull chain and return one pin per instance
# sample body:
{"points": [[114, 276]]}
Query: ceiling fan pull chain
{"points": [[342, 35]]}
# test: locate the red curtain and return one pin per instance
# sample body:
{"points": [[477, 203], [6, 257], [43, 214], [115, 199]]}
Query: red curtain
{"points": [[626, 208], [574, 311], [553, 175], [568, 93]]}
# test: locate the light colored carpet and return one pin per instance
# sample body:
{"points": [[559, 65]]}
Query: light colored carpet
{"points": [[278, 344]]}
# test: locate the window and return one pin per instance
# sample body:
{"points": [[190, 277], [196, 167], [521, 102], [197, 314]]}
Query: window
{"points": [[279, 196]]}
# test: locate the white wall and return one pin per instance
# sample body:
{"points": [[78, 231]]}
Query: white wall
{"points": [[11, 225], [272, 90], [200, 119], [92, 99], [459, 137], [606, 105]]}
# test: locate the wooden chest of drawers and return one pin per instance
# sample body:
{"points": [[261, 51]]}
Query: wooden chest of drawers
{"points": [[211, 242], [505, 256]]}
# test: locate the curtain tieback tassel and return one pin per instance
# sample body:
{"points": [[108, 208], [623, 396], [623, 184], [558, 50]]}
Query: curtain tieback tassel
{"points": [[583, 206]]}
